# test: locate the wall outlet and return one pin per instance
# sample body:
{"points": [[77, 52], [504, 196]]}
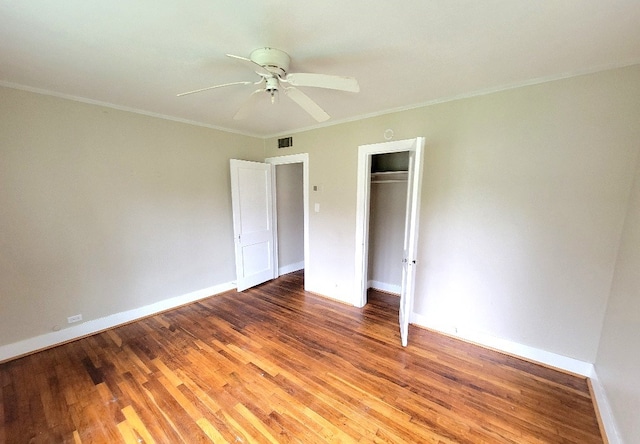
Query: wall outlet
{"points": [[74, 318]]}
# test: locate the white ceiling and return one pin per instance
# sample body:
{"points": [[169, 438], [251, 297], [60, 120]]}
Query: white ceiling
{"points": [[138, 54]]}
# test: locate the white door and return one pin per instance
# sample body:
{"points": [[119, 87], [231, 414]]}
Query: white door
{"points": [[410, 243], [253, 230]]}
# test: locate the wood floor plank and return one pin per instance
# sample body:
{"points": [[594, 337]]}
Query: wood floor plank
{"points": [[174, 414], [213, 433], [256, 423], [276, 364], [129, 436], [135, 425]]}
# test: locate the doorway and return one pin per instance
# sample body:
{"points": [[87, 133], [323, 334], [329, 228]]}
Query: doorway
{"points": [[253, 199], [387, 209], [291, 211], [289, 206], [366, 153]]}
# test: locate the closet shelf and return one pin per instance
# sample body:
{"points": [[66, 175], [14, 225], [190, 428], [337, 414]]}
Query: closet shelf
{"points": [[389, 176]]}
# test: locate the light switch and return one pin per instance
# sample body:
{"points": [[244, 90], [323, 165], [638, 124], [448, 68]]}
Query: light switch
{"points": [[316, 207]]}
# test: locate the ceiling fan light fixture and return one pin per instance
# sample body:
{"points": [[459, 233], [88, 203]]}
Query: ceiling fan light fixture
{"points": [[272, 87]]}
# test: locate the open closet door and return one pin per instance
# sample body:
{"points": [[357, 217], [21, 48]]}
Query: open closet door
{"points": [[253, 231], [410, 238]]}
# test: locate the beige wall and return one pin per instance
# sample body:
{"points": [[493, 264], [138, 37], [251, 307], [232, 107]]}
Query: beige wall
{"points": [[332, 167], [102, 211], [523, 201], [618, 361]]}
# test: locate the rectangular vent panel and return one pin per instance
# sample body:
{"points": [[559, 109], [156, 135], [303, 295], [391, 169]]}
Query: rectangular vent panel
{"points": [[285, 142]]}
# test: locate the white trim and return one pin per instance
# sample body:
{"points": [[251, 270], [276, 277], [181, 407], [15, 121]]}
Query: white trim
{"points": [[90, 327], [383, 286], [452, 98], [59, 95], [284, 160], [286, 269], [362, 227], [603, 406], [524, 351], [331, 122]]}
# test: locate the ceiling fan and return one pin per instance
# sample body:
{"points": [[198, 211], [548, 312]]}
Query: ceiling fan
{"points": [[272, 66]]}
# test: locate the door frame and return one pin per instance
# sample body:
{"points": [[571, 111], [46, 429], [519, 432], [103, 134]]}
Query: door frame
{"points": [[284, 160], [365, 153]]}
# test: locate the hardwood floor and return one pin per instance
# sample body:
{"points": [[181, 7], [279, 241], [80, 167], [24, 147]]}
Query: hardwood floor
{"points": [[276, 364]]}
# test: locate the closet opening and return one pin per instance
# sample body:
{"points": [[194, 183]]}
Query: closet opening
{"points": [[387, 211], [375, 170]]}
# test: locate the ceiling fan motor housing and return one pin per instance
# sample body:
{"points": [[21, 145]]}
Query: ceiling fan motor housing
{"points": [[272, 59]]}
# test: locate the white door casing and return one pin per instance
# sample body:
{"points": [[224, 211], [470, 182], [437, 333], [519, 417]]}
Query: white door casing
{"points": [[414, 184], [253, 228]]}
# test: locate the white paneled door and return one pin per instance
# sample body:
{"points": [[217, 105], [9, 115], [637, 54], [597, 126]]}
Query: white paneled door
{"points": [[253, 228]]}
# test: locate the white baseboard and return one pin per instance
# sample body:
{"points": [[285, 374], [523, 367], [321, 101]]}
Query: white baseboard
{"points": [[383, 286], [286, 269], [47, 340], [524, 351], [604, 408]]}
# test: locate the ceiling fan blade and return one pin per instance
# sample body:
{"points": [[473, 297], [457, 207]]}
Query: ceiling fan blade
{"points": [[323, 81], [252, 65], [307, 104], [248, 104], [213, 87]]}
